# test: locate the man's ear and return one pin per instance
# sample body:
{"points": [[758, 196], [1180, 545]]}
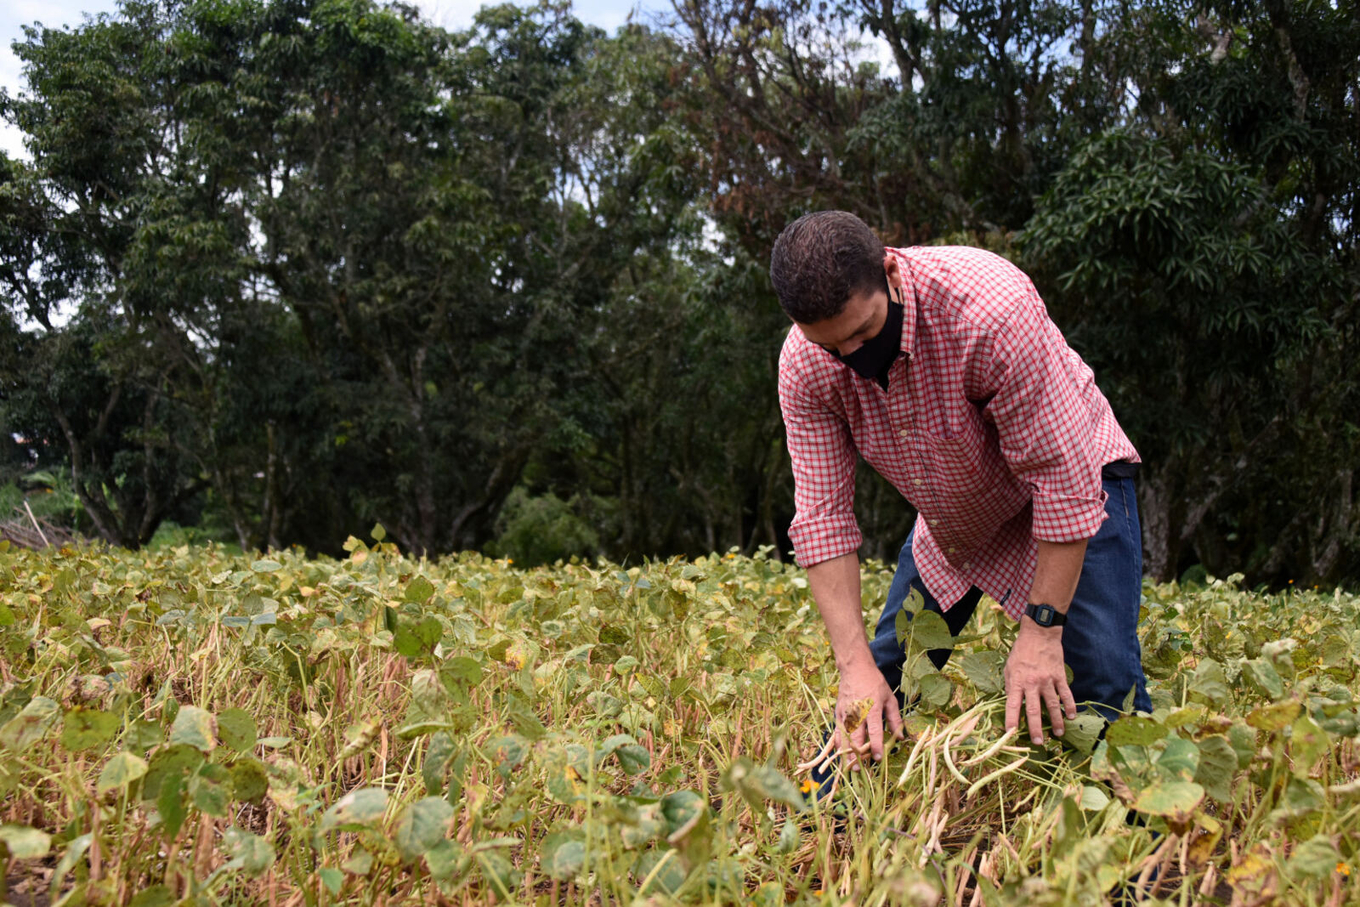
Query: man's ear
{"points": [[893, 269]]}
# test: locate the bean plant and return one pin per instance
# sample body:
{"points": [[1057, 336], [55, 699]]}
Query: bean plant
{"points": [[189, 726]]}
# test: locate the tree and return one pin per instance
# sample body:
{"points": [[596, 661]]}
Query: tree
{"points": [[1207, 252]]}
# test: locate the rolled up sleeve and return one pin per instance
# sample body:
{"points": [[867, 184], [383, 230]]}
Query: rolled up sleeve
{"points": [[1046, 423], [824, 458]]}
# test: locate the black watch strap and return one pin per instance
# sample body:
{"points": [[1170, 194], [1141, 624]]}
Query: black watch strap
{"points": [[1046, 615]]}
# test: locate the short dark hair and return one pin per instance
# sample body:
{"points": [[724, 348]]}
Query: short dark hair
{"points": [[821, 260]]}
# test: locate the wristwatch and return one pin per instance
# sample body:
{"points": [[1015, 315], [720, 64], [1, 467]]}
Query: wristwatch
{"points": [[1046, 615]]}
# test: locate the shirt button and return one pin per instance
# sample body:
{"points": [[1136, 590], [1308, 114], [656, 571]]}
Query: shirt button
{"points": [[967, 566], [933, 522], [952, 550], [903, 433], [917, 482]]}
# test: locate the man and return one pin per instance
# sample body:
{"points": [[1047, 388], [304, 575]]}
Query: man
{"points": [[940, 367]]}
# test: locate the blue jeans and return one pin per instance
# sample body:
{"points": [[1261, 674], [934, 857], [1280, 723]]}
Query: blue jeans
{"points": [[1100, 640]]}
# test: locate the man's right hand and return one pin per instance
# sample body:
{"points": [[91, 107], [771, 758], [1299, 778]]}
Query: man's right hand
{"points": [[862, 704]]}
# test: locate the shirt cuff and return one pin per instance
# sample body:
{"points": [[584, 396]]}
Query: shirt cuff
{"points": [[1064, 518], [824, 538]]}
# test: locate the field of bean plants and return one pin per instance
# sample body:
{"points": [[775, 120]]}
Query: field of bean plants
{"points": [[189, 726]]}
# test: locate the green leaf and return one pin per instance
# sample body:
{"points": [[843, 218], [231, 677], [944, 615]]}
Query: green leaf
{"points": [[1180, 760], [507, 753], [414, 640], [170, 804], [30, 725], [250, 854], [446, 860], [437, 758], [930, 631], [1134, 730], [1093, 798], [1262, 676], [640, 825], [936, 690], [1083, 732], [661, 871], [237, 729], [1217, 766], [155, 896], [357, 809], [266, 566], [498, 872], [691, 832], [1307, 744], [121, 770], [562, 854], [1243, 740], [634, 759], [378, 533], [193, 727], [682, 808], [75, 852], [1274, 716], [611, 744], [332, 878], [141, 735], [24, 843], [87, 729], [463, 671], [360, 862], [176, 760], [1174, 800], [1315, 858], [759, 784], [419, 590], [249, 780], [1304, 795], [1210, 684], [524, 720], [209, 790], [422, 825], [983, 670], [902, 626]]}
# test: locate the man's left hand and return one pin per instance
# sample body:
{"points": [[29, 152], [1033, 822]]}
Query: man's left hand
{"points": [[1036, 679]]}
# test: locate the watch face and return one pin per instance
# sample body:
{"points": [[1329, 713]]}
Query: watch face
{"points": [[1043, 615]]}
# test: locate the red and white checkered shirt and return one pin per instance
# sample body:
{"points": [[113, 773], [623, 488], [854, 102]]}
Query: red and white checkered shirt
{"points": [[991, 426]]}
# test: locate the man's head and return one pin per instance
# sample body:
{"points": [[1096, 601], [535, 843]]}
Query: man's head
{"points": [[823, 259], [832, 276]]}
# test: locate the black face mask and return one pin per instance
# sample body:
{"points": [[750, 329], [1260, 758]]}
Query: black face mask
{"points": [[877, 354]]}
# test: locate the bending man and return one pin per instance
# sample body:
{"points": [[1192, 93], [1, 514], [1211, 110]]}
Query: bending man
{"points": [[941, 368]]}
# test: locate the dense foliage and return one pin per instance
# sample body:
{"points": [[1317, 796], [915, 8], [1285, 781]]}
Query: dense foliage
{"points": [[280, 269], [186, 723]]}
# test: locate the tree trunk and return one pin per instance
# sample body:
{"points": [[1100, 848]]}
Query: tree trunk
{"points": [[1161, 536]]}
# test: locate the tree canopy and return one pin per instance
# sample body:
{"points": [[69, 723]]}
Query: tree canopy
{"points": [[290, 268]]}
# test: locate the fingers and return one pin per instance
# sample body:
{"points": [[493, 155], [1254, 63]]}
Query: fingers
{"points": [[1014, 696], [859, 744], [895, 723], [1068, 700], [1053, 700], [1033, 716], [875, 722]]}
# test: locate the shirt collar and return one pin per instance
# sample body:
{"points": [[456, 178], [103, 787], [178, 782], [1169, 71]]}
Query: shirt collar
{"points": [[909, 301]]}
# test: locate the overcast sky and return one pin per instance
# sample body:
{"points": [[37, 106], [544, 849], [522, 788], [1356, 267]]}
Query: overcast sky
{"points": [[451, 14]]}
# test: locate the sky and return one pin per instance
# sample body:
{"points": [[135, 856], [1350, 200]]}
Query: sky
{"points": [[450, 14]]}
